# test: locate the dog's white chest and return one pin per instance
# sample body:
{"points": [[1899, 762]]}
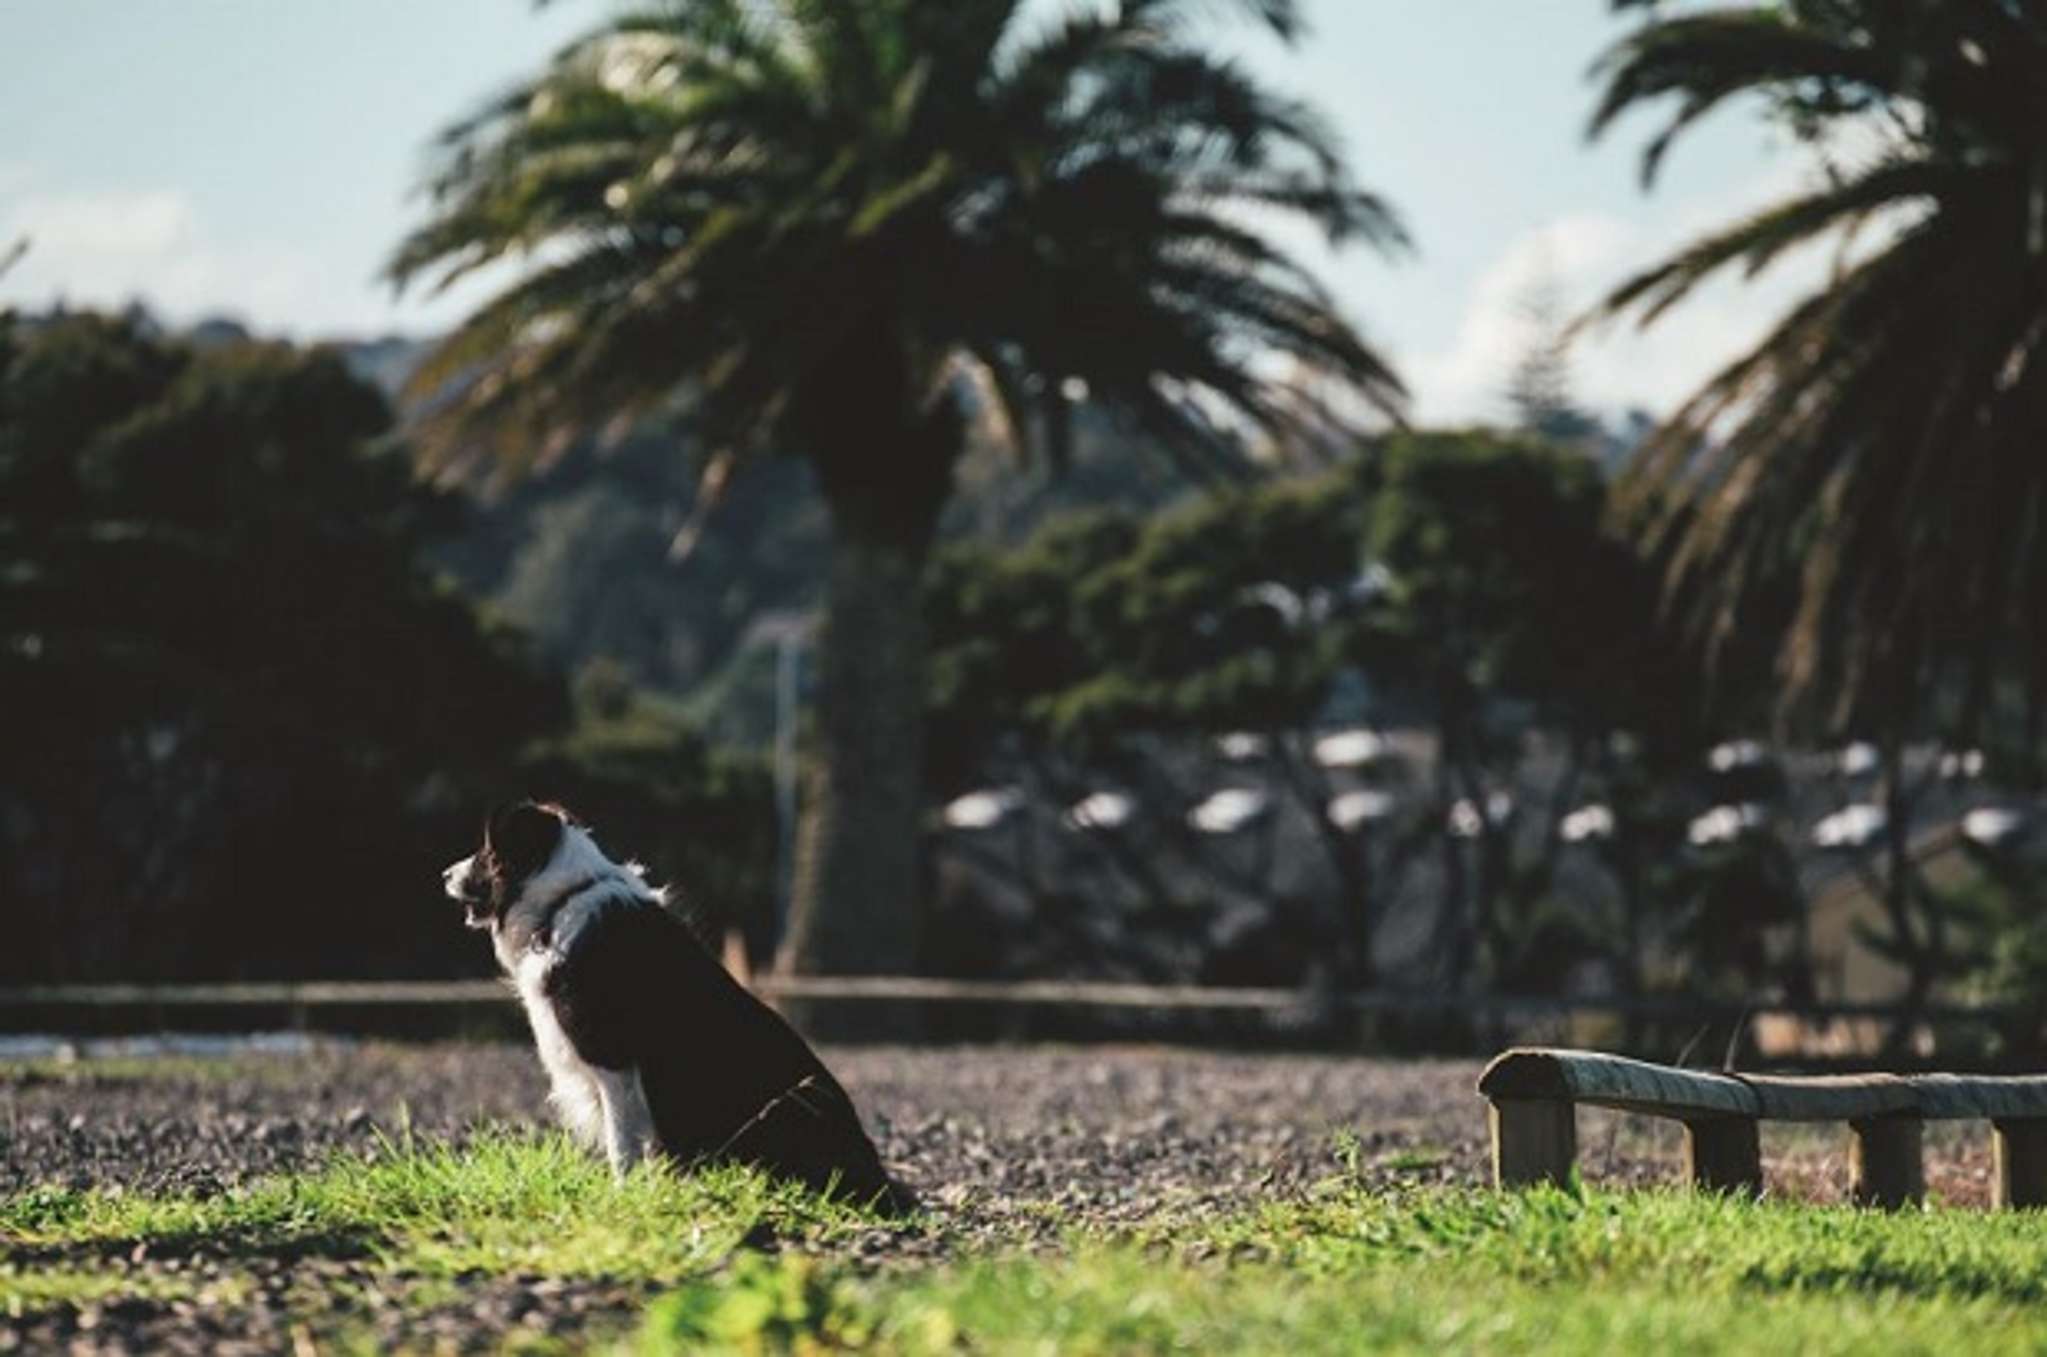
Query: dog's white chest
{"points": [[605, 1109], [575, 1089]]}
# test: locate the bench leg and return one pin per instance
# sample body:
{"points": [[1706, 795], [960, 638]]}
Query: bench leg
{"points": [[1724, 1154], [2020, 1148], [1885, 1161], [1533, 1142]]}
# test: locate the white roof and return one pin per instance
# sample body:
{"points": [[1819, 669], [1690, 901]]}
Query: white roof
{"points": [[1229, 810], [1724, 824], [1240, 745], [1850, 827], [1586, 824], [1102, 810], [984, 809], [1360, 807], [1961, 763], [1992, 825], [1277, 597], [1464, 817], [1349, 748], [1734, 754]]}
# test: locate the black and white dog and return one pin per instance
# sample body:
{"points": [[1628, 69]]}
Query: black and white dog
{"points": [[651, 1046]]}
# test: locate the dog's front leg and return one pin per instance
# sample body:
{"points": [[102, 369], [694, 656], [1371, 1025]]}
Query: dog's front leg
{"points": [[628, 1121]]}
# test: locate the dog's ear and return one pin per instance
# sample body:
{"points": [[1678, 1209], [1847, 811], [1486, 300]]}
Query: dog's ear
{"points": [[520, 838]]}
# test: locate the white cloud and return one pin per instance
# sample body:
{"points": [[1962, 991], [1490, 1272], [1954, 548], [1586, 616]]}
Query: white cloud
{"points": [[108, 248], [1613, 366], [1464, 382], [144, 226]]}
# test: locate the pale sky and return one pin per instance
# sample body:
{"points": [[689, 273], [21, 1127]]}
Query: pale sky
{"points": [[256, 158]]}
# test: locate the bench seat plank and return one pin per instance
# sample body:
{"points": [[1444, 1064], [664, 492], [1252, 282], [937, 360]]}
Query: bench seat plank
{"points": [[1847, 1097], [1617, 1082], [1958, 1097]]}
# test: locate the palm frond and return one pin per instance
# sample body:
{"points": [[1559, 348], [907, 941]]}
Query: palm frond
{"points": [[1762, 239], [767, 206], [1863, 482], [1704, 60]]}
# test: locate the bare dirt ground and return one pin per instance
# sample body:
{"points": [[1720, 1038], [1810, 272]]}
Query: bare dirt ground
{"points": [[1008, 1147]]}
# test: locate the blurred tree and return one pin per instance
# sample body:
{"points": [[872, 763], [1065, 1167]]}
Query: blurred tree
{"points": [[2003, 960], [1539, 390], [1877, 451], [1726, 900], [1006, 641], [1505, 587], [1467, 575], [243, 723], [1878, 444], [1105, 633], [224, 684], [832, 229]]}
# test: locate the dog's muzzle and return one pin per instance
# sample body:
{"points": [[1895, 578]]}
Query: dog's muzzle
{"points": [[465, 883]]}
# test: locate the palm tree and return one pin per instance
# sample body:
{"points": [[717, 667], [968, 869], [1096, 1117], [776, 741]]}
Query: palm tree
{"points": [[1877, 459], [841, 229]]}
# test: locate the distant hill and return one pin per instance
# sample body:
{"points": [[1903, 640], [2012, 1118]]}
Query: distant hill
{"points": [[578, 555], [387, 363]]}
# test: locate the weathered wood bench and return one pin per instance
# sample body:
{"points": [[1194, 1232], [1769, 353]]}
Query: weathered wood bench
{"points": [[1533, 1097]]}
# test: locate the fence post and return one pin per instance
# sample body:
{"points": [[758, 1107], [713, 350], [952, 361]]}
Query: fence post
{"points": [[1724, 1154], [1534, 1141], [1885, 1161], [2019, 1147]]}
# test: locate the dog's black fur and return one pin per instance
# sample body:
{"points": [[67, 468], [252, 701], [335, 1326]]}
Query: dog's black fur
{"points": [[725, 1078]]}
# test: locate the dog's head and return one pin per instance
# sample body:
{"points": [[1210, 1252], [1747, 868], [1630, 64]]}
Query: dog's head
{"points": [[519, 840]]}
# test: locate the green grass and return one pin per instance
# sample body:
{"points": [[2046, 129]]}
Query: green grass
{"points": [[1343, 1269], [1118, 1301], [1426, 1271], [505, 1204]]}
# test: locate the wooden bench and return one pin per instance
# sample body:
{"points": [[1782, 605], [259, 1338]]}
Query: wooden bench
{"points": [[1533, 1097]]}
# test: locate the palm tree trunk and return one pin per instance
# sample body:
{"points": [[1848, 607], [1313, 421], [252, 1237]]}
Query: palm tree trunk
{"points": [[856, 894], [855, 899]]}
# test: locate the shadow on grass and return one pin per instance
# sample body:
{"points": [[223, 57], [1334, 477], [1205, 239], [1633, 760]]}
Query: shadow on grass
{"points": [[232, 1244]]}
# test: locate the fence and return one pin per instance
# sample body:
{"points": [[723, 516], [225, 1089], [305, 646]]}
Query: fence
{"points": [[1533, 1097], [1809, 1034], [921, 989], [1388, 1020]]}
